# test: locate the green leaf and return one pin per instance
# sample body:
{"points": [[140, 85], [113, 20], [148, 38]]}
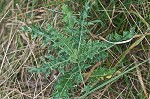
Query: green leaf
{"points": [[64, 52], [101, 73], [62, 87], [126, 36]]}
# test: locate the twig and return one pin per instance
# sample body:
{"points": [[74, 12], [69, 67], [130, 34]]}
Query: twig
{"points": [[91, 71], [140, 77]]}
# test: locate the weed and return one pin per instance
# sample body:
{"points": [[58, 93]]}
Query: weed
{"points": [[74, 49], [72, 52]]}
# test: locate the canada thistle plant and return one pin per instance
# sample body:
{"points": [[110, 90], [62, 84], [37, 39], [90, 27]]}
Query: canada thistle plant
{"points": [[71, 51]]}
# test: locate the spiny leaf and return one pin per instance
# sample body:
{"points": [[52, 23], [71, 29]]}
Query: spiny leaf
{"points": [[71, 51], [126, 35]]}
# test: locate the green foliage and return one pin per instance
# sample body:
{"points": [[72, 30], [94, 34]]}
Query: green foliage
{"points": [[70, 48], [101, 74], [126, 35]]}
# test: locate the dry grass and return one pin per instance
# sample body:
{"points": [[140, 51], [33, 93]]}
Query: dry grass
{"points": [[18, 52]]}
